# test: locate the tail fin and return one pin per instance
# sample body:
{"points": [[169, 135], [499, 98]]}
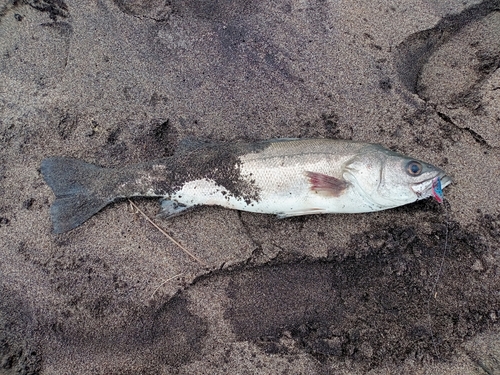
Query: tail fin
{"points": [[79, 188]]}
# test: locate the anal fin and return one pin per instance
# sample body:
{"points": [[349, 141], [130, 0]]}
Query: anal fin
{"points": [[308, 211], [171, 208]]}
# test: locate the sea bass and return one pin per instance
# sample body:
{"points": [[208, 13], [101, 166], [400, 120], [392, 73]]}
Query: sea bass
{"points": [[285, 177]]}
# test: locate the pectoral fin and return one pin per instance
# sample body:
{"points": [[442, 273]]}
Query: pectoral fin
{"points": [[327, 185]]}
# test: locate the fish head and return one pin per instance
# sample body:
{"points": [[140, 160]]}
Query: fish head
{"points": [[388, 179]]}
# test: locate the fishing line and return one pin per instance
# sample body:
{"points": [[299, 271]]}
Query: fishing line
{"points": [[446, 206]]}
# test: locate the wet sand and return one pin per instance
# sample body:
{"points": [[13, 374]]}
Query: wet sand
{"points": [[411, 290]]}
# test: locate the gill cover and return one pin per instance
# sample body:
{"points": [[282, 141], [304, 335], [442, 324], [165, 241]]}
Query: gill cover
{"points": [[365, 173]]}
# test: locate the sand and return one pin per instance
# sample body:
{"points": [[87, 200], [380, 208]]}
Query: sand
{"points": [[412, 290]]}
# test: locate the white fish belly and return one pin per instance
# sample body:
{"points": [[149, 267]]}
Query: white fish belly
{"points": [[283, 189]]}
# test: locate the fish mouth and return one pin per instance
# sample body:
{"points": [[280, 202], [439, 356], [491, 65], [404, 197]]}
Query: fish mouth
{"points": [[438, 184], [445, 180], [432, 187]]}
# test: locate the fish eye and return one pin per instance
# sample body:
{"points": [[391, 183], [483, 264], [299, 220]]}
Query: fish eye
{"points": [[414, 168]]}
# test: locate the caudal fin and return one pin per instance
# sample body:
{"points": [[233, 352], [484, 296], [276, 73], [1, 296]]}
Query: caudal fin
{"points": [[79, 188]]}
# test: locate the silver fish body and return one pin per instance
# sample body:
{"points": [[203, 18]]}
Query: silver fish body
{"points": [[287, 177]]}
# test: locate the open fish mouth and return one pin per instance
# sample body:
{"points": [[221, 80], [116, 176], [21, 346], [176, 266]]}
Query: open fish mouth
{"points": [[433, 188], [445, 181], [438, 183]]}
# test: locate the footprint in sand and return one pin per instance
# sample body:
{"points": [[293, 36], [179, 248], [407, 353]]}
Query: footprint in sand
{"points": [[454, 67]]}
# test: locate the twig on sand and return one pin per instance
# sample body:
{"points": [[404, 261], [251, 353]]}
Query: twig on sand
{"points": [[163, 283], [167, 235]]}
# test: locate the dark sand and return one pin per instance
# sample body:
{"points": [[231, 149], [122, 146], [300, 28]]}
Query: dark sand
{"points": [[414, 290]]}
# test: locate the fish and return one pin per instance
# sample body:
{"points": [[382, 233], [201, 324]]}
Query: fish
{"points": [[285, 177]]}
